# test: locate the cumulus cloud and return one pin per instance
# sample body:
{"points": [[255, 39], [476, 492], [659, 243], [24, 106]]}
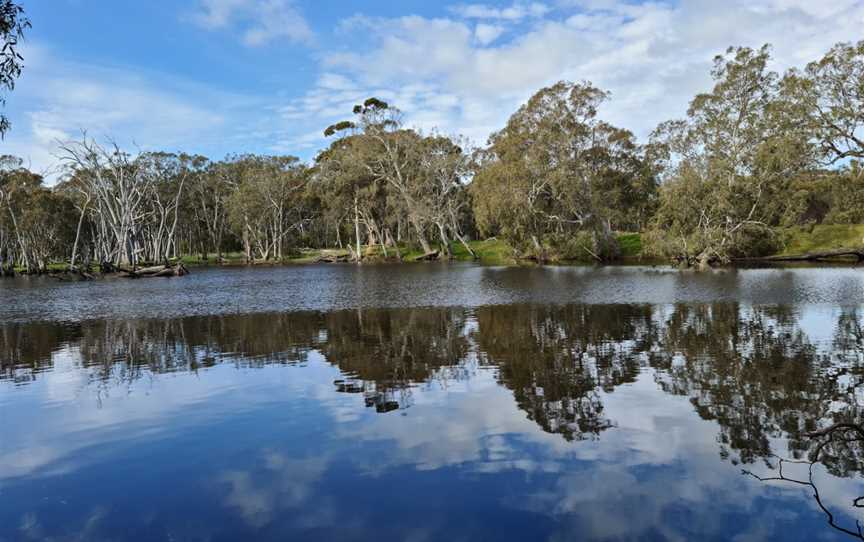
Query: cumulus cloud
{"points": [[653, 57], [57, 99], [260, 21], [463, 72], [515, 12], [487, 33]]}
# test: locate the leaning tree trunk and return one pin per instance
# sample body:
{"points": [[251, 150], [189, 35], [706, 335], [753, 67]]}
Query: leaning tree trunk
{"points": [[421, 236], [605, 243], [538, 249], [357, 231], [78, 233], [445, 241]]}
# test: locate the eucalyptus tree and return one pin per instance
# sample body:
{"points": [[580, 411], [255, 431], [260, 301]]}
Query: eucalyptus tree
{"points": [[132, 202], [208, 189], [13, 178], [444, 169], [388, 153], [727, 160], [165, 176], [74, 190], [13, 23], [267, 204], [397, 183], [35, 222], [351, 193], [544, 177], [113, 179], [827, 97]]}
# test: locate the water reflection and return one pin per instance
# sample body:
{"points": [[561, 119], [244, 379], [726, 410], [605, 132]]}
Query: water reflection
{"points": [[628, 404], [755, 371], [557, 360]]}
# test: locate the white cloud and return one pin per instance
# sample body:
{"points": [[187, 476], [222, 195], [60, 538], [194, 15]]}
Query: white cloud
{"points": [[55, 100], [217, 13], [515, 12], [261, 21], [653, 57], [464, 73], [487, 33]]}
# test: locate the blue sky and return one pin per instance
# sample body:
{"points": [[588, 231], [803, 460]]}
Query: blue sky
{"points": [[222, 76]]}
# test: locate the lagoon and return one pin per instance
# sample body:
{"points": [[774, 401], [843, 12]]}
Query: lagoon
{"points": [[431, 402]]}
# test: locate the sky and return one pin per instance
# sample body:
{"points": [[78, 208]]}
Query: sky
{"points": [[217, 77]]}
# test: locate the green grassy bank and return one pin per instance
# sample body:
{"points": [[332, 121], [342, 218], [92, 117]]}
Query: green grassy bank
{"points": [[491, 251], [803, 240], [798, 240]]}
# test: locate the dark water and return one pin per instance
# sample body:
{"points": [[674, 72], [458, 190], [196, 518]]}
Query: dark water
{"points": [[431, 403]]}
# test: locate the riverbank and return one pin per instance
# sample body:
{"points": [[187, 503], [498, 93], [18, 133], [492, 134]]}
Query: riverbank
{"points": [[796, 240], [804, 239], [489, 252]]}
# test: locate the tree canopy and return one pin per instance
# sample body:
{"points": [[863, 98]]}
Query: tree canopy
{"points": [[757, 152], [13, 23]]}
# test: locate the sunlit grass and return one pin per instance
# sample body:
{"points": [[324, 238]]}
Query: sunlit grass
{"points": [[825, 237], [631, 245]]}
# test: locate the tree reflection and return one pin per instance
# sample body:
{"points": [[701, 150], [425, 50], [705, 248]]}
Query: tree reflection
{"points": [[385, 353], [557, 360], [27, 349], [755, 371], [126, 350], [750, 370], [758, 374], [838, 437]]}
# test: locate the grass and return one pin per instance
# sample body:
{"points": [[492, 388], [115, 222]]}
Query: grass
{"points": [[631, 245], [824, 237], [491, 251], [53, 267]]}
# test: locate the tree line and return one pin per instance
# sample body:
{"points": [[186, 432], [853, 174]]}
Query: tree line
{"points": [[757, 151]]}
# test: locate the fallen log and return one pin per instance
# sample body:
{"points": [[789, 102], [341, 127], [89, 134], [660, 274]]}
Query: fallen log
{"points": [[74, 274], [333, 258], [177, 270], [151, 270], [857, 253], [429, 256]]}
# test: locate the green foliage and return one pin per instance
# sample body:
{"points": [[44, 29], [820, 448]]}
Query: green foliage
{"points": [[729, 160], [556, 178], [384, 185], [338, 127], [826, 99], [13, 23], [760, 163], [268, 203], [35, 222], [846, 196]]}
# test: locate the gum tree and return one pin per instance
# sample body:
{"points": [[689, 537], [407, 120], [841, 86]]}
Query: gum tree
{"points": [[726, 161], [13, 23], [545, 177]]}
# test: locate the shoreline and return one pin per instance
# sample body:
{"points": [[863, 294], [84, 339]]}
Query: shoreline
{"points": [[798, 241]]}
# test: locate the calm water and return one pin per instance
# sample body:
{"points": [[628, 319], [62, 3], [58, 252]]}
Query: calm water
{"points": [[431, 403]]}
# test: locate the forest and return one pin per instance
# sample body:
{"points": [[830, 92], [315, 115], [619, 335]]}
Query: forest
{"points": [[758, 153]]}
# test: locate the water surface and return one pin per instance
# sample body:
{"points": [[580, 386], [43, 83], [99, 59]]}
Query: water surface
{"points": [[430, 403]]}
